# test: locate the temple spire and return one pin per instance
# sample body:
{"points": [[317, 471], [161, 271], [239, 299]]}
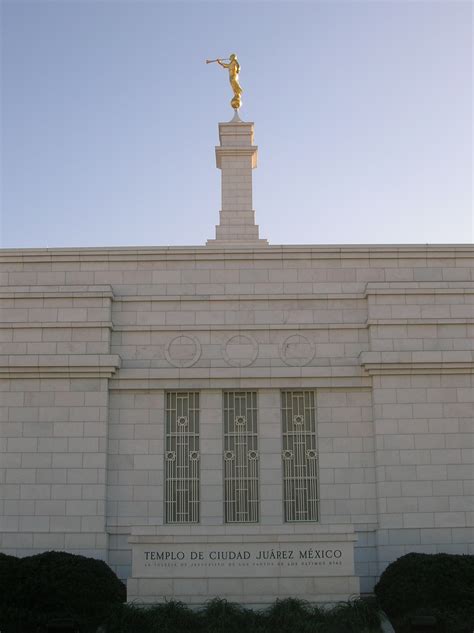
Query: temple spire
{"points": [[236, 156]]}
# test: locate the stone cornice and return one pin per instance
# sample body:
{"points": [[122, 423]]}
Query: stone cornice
{"points": [[338, 296], [57, 292], [272, 252], [31, 325], [421, 321], [59, 365], [309, 377], [216, 327], [379, 363], [231, 151], [420, 288]]}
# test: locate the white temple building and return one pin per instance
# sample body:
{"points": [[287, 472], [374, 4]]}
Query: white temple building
{"points": [[238, 419]]}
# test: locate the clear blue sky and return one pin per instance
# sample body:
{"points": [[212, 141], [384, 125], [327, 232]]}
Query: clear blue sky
{"points": [[362, 111]]}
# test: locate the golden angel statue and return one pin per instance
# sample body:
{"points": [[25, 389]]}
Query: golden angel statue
{"points": [[234, 70]]}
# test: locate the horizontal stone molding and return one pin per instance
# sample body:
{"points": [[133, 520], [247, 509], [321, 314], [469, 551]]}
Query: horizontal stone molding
{"points": [[206, 533], [202, 253], [233, 151], [234, 328], [56, 292], [215, 539], [241, 378], [31, 325], [59, 365], [240, 533], [420, 321], [321, 296], [459, 362], [419, 287]]}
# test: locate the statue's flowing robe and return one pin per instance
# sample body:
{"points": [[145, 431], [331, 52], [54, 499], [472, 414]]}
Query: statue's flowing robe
{"points": [[234, 79]]}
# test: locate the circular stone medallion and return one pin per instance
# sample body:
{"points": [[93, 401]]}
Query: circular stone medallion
{"points": [[297, 350], [183, 351], [240, 350]]}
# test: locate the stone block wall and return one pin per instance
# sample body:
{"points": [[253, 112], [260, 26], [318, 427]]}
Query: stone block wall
{"points": [[53, 465], [54, 407], [92, 339]]}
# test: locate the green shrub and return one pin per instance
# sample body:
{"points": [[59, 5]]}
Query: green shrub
{"points": [[172, 617], [8, 572], [441, 584], [127, 618], [290, 615], [220, 616], [356, 616], [447, 621], [59, 585], [14, 618], [18, 620]]}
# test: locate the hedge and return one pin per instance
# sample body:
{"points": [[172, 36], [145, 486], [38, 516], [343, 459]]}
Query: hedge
{"points": [[36, 589], [422, 584], [55, 585], [219, 616]]}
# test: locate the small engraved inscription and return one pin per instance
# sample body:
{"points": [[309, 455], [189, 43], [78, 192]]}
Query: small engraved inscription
{"points": [[183, 560]]}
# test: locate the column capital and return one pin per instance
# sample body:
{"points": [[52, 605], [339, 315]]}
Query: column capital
{"points": [[232, 152]]}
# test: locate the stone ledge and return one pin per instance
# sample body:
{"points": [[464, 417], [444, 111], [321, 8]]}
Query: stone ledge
{"points": [[59, 366], [236, 151], [241, 532], [55, 291], [323, 296], [376, 363], [148, 380], [241, 326], [128, 525], [419, 287], [223, 373], [420, 321], [31, 325], [275, 251]]}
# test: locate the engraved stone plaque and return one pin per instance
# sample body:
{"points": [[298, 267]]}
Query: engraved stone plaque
{"points": [[255, 569], [242, 559]]}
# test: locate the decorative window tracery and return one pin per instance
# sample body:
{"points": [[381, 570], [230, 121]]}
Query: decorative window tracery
{"points": [[182, 457], [300, 456], [241, 457]]}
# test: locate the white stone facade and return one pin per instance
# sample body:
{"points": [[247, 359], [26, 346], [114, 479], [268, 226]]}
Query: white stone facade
{"points": [[93, 339]]}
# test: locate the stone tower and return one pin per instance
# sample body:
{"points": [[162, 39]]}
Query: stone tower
{"points": [[236, 156]]}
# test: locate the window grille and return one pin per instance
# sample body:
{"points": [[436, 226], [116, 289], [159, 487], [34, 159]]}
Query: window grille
{"points": [[182, 457], [240, 457], [300, 456]]}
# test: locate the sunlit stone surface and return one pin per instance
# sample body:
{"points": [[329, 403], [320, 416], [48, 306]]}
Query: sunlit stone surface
{"points": [[93, 341]]}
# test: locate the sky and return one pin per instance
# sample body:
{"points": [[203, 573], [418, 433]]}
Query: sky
{"points": [[109, 119]]}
